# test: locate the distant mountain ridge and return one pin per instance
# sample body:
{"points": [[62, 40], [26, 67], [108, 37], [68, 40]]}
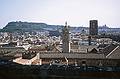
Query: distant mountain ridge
{"points": [[28, 26], [31, 26]]}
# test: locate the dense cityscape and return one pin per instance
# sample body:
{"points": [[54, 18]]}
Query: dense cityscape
{"points": [[36, 53], [59, 39]]}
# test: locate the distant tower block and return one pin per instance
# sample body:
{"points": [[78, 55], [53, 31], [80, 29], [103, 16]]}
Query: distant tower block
{"points": [[93, 30], [65, 39]]}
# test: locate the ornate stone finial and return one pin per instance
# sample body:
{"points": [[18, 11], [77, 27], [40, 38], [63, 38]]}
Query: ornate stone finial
{"points": [[66, 23]]}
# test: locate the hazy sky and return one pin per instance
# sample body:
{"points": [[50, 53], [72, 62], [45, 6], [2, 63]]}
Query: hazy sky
{"points": [[76, 12]]}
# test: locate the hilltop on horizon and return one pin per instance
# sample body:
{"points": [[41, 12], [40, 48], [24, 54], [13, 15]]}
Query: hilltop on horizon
{"points": [[19, 26]]}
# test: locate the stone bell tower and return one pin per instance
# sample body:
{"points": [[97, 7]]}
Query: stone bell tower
{"points": [[65, 39]]}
